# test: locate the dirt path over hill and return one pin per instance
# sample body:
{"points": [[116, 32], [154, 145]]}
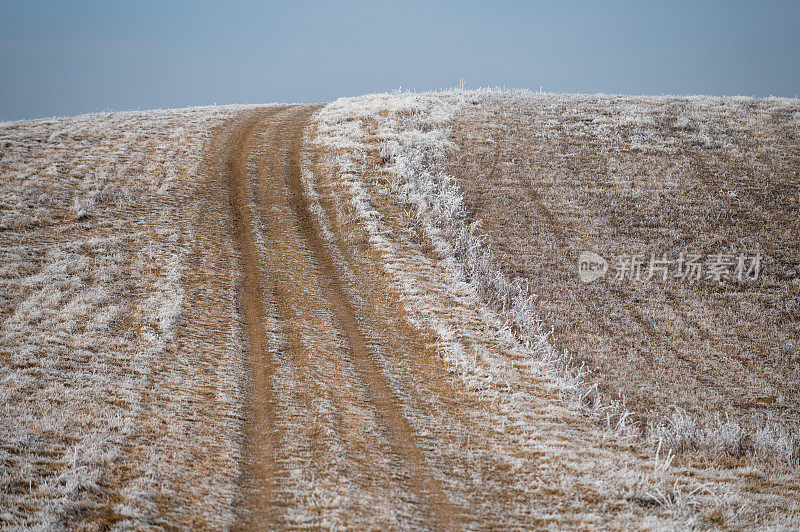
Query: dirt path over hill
{"points": [[309, 349], [354, 419], [243, 318]]}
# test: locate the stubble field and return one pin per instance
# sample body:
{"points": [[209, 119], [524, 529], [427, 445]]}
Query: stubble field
{"points": [[367, 314]]}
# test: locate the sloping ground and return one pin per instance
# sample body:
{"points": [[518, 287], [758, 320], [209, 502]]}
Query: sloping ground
{"points": [[552, 176], [395, 151], [119, 405], [281, 317], [383, 393]]}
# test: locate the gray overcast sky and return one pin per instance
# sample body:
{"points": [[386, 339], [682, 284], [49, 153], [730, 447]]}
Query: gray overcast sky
{"points": [[64, 58]]}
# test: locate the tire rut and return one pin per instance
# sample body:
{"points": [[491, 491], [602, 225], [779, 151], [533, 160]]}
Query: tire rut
{"points": [[380, 389], [259, 431]]}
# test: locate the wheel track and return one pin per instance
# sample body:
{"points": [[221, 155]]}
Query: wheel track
{"points": [[362, 348], [260, 434]]}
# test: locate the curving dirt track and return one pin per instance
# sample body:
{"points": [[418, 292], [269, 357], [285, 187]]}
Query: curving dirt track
{"points": [[352, 419], [316, 383]]}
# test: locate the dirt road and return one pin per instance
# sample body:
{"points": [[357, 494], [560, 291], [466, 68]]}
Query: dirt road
{"points": [[325, 422], [353, 420]]}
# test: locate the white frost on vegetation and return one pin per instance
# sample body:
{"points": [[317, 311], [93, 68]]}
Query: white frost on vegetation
{"points": [[413, 130], [99, 407], [412, 133], [414, 141]]}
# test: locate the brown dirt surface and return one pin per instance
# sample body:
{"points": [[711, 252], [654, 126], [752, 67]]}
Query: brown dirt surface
{"points": [[281, 288]]}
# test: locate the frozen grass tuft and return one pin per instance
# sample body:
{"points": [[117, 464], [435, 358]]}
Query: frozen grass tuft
{"points": [[769, 443]]}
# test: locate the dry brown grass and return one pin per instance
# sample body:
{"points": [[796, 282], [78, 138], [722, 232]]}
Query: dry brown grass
{"points": [[550, 176], [118, 406], [287, 333], [391, 152]]}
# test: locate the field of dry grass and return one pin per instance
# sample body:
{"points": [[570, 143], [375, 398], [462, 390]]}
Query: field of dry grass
{"points": [[411, 150], [114, 409], [367, 314], [551, 176]]}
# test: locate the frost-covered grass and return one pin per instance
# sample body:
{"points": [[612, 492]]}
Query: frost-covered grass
{"points": [[121, 369], [704, 367], [401, 145], [101, 385], [414, 144]]}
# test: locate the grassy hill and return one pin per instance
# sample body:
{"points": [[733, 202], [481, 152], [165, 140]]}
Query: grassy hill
{"points": [[369, 313]]}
